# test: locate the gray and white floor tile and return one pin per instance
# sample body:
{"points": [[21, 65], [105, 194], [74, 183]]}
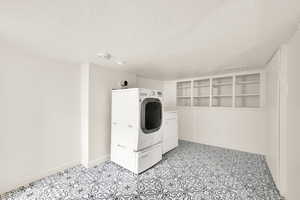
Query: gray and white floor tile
{"points": [[191, 171]]}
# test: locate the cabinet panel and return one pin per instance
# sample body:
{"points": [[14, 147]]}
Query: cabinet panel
{"points": [[170, 133]]}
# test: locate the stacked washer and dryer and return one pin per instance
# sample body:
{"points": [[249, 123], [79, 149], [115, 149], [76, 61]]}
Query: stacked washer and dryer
{"points": [[136, 135]]}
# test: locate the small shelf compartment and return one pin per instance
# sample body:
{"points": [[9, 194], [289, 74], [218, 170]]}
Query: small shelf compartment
{"points": [[184, 89], [201, 92], [183, 101], [201, 101], [222, 91], [247, 91]]}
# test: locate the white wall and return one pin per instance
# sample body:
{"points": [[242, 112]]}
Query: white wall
{"points": [[84, 109], [40, 116], [283, 97], [273, 70], [102, 81], [149, 83], [241, 129], [97, 106], [293, 117], [235, 129], [54, 115], [169, 89]]}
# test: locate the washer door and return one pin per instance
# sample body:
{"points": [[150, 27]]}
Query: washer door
{"points": [[151, 115]]}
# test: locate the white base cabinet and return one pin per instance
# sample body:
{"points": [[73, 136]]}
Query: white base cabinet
{"points": [[170, 132]]}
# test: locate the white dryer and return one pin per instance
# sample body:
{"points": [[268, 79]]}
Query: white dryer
{"points": [[136, 128]]}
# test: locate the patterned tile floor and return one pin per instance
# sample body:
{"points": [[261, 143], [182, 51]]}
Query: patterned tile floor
{"points": [[191, 171]]}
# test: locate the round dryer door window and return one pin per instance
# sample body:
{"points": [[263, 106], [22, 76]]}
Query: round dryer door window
{"points": [[151, 115]]}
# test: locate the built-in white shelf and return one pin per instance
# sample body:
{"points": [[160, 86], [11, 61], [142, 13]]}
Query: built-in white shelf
{"points": [[246, 82], [247, 90], [246, 95], [201, 92], [184, 93], [236, 90], [181, 87], [200, 86], [201, 102], [222, 91], [183, 97], [222, 84], [224, 95], [201, 96]]}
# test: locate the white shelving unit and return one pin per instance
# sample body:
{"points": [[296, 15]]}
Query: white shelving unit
{"points": [[184, 93], [247, 90], [201, 92], [240, 90], [222, 91]]}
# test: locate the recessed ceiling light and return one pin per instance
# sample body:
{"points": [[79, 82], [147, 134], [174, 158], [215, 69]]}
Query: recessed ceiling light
{"points": [[108, 56]]}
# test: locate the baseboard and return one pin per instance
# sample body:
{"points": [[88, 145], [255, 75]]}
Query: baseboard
{"points": [[39, 175], [224, 146], [29, 179], [97, 161]]}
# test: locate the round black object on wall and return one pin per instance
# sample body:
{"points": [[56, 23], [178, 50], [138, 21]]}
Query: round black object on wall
{"points": [[124, 83]]}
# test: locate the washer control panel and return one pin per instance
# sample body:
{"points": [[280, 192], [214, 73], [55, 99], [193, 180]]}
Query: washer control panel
{"points": [[150, 94]]}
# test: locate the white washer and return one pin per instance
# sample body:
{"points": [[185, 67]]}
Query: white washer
{"points": [[136, 128]]}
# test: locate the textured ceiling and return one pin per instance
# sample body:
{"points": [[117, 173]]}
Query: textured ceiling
{"points": [[160, 39]]}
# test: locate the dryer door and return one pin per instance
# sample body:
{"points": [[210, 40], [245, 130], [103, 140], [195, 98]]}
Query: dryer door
{"points": [[151, 115]]}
